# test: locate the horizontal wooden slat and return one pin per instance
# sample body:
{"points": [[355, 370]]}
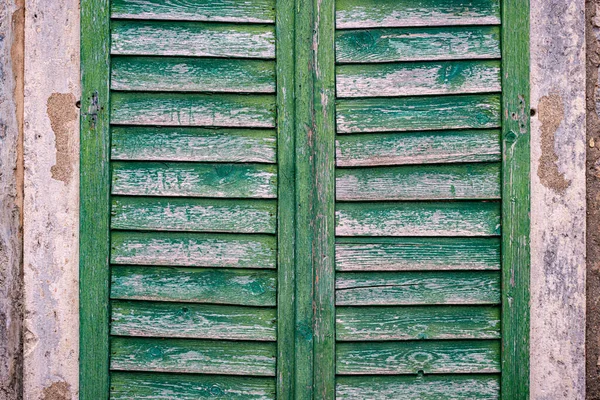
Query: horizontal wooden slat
{"points": [[418, 219], [193, 356], [193, 249], [417, 254], [413, 322], [197, 285], [422, 182], [429, 387], [193, 144], [396, 13], [417, 44], [199, 321], [156, 386], [428, 357], [412, 79], [192, 74], [190, 179], [418, 113], [202, 215], [197, 10], [417, 288], [159, 38], [191, 109], [373, 149]]}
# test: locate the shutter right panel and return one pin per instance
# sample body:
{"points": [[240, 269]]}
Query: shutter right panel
{"points": [[418, 187]]}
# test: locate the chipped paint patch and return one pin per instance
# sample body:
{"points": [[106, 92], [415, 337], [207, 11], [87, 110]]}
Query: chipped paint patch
{"points": [[62, 112], [551, 115]]}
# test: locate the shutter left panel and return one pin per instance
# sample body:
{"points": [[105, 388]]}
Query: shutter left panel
{"points": [[194, 199]]}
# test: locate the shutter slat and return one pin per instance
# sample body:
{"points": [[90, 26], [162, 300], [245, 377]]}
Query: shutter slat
{"points": [[417, 254], [428, 357], [417, 288], [200, 215], [139, 385], [196, 285], [199, 321], [429, 387], [414, 322], [192, 75], [193, 356], [418, 113], [375, 149], [159, 38], [193, 144], [464, 181], [193, 249], [199, 180], [417, 44], [191, 109], [398, 13], [418, 219], [412, 79], [196, 10]]}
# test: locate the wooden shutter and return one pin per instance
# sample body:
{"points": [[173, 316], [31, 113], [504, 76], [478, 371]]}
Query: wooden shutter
{"points": [[301, 199]]}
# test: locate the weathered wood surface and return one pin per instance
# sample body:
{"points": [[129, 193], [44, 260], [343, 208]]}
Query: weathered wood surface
{"points": [[157, 386], [193, 179], [429, 387], [192, 109], [200, 215], [417, 254], [431, 182], [193, 356], [418, 219], [196, 10], [417, 44], [198, 39], [199, 321], [412, 79], [184, 74], [193, 144], [417, 322], [399, 13], [417, 288], [375, 149], [196, 285], [193, 249], [418, 113], [428, 357]]}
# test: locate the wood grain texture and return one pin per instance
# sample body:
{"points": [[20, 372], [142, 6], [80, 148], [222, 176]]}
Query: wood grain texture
{"points": [[156, 386], [198, 39], [418, 113], [417, 288], [433, 182], [395, 13], [430, 387], [195, 180], [193, 144], [373, 149], [417, 254], [200, 215], [195, 285], [417, 322], [193, 249], [419, 357], [417, 44], [418, 219], [198, 321], [204, 10], [422, 78], [193, 356], [192, 109], [184, 74]]}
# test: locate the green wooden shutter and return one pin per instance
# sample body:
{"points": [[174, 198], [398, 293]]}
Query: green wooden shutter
{"points": [[300, 199]]}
